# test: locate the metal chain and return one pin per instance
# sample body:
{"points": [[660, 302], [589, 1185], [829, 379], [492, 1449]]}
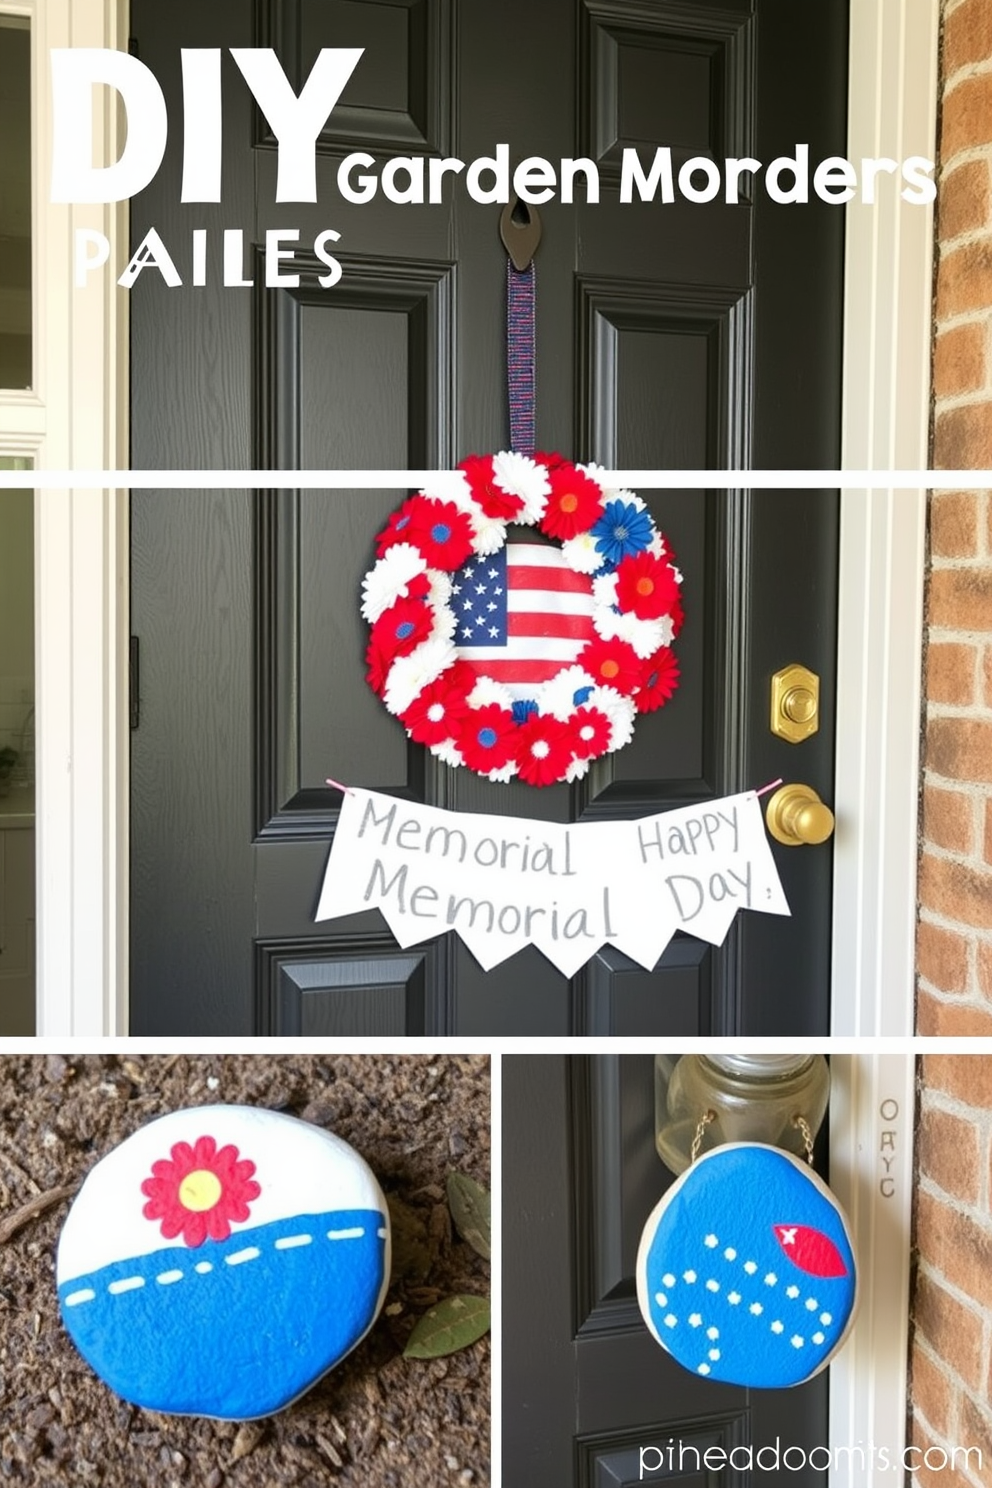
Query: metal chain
{"points": [[697, 1140], [803, 1125]]}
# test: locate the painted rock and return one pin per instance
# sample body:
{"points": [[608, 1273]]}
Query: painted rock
{"points": [[745, 1271], [221, 1260]]}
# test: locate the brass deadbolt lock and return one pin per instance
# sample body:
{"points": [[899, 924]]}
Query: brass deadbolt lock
{"points": [[795, 703]]}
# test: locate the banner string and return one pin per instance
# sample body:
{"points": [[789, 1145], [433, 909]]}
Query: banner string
{"points": [[347, 790]]}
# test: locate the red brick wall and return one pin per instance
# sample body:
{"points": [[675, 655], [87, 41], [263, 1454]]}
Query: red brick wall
{"points": [[955, 931], [952, 1304]]}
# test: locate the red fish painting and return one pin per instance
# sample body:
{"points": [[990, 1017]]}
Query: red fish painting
{"points": [[810, 1250]]}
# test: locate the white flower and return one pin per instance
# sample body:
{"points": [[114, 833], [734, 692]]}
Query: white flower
{"points": [[519, 475], [383, 585], [656, 547], [451, 485], [619, 710], [489, 533], [409, 675], [628, 498], [581, 553], [595, 473], [504, 774], [604, 589], [440, 590], [445, 622], [558, 695], [487, 691], [448, 752], [577, 769], [645, 636]]}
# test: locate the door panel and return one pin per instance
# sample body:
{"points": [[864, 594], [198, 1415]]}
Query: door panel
{"points": [[585, 1386], [654, 329]]}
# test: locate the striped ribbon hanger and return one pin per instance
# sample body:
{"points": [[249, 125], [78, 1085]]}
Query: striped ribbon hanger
{"points": [[520, 231]]}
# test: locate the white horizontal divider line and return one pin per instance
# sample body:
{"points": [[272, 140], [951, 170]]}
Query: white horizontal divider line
{"points": [[660, 480]]}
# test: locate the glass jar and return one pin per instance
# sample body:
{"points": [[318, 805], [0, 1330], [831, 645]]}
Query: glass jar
{"points": [[753, 1097]]}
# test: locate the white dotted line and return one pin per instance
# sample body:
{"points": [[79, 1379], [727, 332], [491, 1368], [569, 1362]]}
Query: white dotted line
{"points": [[236, 1258], [83, 1295]]}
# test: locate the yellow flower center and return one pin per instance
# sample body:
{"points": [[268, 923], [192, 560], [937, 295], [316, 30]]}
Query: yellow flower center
{"points": [[199, 1190], [645, 587], [568, 502]]}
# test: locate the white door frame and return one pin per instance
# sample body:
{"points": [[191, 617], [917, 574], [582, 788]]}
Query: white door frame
{"points": [[81, 554], [892, 110], [80, 421], [872, 1113]]}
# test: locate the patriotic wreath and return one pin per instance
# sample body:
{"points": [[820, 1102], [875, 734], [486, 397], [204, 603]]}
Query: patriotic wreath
{"points": [[522, 659]]}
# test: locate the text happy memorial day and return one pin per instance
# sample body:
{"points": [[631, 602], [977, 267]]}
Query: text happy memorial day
{"points": [[502, 883]]}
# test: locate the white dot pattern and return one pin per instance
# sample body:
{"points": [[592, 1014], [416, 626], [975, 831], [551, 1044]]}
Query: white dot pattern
{"points": [[696, 1320]]}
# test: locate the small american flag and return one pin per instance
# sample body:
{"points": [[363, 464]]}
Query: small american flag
{"points": [[522, 614]]}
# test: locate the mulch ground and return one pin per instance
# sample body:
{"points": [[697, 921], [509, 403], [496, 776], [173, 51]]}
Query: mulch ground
{"points": [[378, 1419]]}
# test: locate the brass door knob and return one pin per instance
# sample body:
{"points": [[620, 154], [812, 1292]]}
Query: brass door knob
{"points": [[795, 814]]}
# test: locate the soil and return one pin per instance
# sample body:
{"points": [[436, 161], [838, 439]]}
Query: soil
{"points": [[378, 1419]]}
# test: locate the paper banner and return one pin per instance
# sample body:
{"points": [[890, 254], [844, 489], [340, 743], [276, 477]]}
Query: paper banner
{"points": [[505, 882]]}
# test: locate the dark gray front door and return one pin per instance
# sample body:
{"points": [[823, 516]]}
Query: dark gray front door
{"points": [[680, 336], [587, 1392]]}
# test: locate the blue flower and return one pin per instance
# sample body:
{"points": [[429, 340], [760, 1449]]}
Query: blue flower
{"points": [[622, 529], [522, 709]]}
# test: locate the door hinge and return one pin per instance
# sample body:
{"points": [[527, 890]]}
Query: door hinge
{"points": [[134, 697]]}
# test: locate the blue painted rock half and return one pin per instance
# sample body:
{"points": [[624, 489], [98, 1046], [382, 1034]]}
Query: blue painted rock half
{"points": [[221, 1260], [745, 1271]]}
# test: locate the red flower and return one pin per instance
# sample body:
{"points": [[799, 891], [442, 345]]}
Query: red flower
{"points": [[377, 665], [677, 614], [550, 460], [439, 529], [399, 526], [611, 664], [659, 679], [443, 534], [487, 738], [544, 749], [401, 628], [200, 1191], [646, 585], [574, 504], [494, 501], [435, 715], [590, 733]]}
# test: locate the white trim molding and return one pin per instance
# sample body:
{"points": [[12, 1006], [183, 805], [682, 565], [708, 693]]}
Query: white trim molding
{"points": [[872, 1113], [81, 575], [887, 337]]}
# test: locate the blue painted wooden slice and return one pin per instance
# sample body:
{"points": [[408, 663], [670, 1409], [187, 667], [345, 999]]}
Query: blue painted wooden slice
{"points": [[221, 1260], [745, 1271]]}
